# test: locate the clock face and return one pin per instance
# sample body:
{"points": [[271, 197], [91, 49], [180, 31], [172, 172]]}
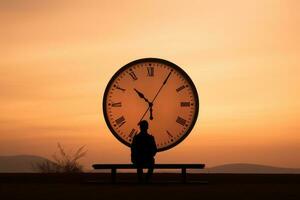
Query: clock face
{"points": [[155, 90]]}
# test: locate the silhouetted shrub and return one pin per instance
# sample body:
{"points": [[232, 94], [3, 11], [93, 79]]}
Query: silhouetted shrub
{"points": [[63, 162]]}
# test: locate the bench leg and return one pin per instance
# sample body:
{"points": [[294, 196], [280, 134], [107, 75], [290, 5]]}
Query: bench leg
{"points": [[113, 175], [183, 173]]}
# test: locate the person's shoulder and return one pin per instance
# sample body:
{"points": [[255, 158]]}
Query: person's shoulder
{"points": [[151, 136], [136, 136]]}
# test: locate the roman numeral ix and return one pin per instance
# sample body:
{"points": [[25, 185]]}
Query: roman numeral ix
{"points": [[118, 104]]}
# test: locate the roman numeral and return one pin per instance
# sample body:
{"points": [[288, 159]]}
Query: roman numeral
{"points": [[185, 104], [118, 104], [132, 133], [169, 134], [120, 121], [181, 121], [150, 71], [119, 88], [180, 88], [133, 76]]}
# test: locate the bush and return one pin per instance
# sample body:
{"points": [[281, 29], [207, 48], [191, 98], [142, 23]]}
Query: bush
{"points": [[63, 163]]}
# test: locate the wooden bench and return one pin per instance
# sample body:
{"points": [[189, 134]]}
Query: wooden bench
{"points": [[183, 167]]}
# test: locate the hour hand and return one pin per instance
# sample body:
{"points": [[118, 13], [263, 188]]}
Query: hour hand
{"points": [[149, 103], [151, 112], [141, 95]]}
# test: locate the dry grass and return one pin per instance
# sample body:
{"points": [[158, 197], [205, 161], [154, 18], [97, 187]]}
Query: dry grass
{"points": [[63, 162]]}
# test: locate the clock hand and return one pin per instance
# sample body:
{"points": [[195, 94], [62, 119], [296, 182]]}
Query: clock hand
{"points": [[141, 95], [161, 87], [151, 104], [151, 112]]}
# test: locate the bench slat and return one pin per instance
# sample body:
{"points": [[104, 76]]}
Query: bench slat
{"points": [[156, 166]]}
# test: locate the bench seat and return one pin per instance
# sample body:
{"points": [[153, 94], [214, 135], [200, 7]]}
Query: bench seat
{"points": [[183, 167]]}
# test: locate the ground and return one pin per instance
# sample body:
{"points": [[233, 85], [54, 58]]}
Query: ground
{"points": [[164, 186]]}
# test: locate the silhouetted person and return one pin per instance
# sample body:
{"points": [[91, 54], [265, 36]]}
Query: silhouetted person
{"points": [[143, 150]]}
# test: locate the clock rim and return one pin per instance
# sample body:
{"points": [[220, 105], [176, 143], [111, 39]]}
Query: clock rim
{"points": [[142, 60]]}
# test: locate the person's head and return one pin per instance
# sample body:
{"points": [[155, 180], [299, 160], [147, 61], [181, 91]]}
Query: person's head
{"points": [[143, 126]]}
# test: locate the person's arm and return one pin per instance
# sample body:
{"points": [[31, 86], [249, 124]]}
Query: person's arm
{"points": [[154, 148], [133, 150]]}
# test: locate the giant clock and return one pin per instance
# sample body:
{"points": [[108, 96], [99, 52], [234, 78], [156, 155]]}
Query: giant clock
{"points": [[155, 90]]}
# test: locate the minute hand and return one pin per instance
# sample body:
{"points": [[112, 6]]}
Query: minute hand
{"points": [[161, 87], [151, 104]]}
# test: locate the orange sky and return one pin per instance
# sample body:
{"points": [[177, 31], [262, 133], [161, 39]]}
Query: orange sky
{"points": [[243, 56]]}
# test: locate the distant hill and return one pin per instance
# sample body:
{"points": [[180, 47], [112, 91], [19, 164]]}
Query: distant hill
{"points": [[19, 163], [245, 168], [26, 163]]}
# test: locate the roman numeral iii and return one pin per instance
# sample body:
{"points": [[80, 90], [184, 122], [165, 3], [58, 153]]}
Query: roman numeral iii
{"points": [[185, 104]]}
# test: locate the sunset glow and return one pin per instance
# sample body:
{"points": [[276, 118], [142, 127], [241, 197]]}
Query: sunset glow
{"points": [[243, 56]]}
